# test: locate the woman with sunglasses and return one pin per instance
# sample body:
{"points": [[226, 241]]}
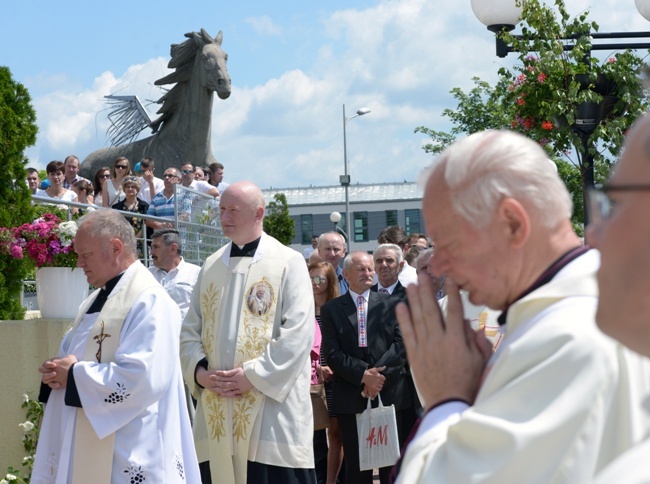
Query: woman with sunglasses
{"points": [[325, 285], [84, 191], [112, 188], [101, 175]]}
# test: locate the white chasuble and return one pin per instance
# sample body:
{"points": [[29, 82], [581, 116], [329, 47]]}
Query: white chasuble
{"points": [[230, 420], [93, 457], [133, 424]]}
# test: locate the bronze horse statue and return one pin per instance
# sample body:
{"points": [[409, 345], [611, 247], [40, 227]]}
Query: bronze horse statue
{"points": [[182, 132]]}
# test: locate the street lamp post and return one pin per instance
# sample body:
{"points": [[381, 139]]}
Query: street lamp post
{"points": [[503, 15], [345, 178], [335, 217]]}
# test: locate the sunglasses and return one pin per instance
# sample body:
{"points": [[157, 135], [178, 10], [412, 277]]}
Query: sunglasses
{"points": [[317, 279], [121, 167], [104, 176], [167, 175], [187, 172]]}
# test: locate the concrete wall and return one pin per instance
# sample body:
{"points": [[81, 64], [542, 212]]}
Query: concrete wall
{"points": [[24, 345]]}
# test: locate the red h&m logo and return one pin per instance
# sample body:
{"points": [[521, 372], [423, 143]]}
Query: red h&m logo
{"points": [[380, 437]]}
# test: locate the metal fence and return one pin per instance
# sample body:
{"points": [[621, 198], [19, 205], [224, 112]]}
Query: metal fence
{"points": [[196, 219]]}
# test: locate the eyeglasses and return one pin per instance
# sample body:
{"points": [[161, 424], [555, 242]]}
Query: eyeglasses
{"points": [[187, 172], [317, 279], [600, 205], [168, 175], [121, 167]]}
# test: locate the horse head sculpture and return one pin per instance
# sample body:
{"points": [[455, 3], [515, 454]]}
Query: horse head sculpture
{"points": [[182, 131]]}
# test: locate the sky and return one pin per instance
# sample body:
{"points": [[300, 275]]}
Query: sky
{"points": [[293, 66]]}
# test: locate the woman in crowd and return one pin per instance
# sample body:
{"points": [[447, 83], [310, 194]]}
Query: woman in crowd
{"points": [[112, 188], [84, 191], [325, 286], [131, 203], [55, 173], [101, 175]]}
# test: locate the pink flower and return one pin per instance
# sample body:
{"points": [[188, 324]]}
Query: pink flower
{"points": [[42, 241], [612, 60], [16, 251], [541, 78]]}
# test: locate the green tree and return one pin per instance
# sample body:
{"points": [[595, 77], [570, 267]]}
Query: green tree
{"points": [[277, 221], [17, 132], [551, 94]]}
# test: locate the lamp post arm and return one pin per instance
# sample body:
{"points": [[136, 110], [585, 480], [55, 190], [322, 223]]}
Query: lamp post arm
{"points": [[504, 49]]}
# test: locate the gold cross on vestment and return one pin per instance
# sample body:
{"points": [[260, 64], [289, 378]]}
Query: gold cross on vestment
{"points": [[100, 339]]}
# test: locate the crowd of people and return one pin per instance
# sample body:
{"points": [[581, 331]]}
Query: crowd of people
{"points": [[510, 350], [136, 190]]}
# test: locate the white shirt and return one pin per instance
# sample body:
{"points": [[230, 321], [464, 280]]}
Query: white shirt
{"points": [[145, 192], [390, 289], [408, 275], [201, 186], [179, 283]]}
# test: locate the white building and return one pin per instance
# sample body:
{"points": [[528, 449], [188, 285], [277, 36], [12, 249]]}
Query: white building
{"points": [[372, 208]]}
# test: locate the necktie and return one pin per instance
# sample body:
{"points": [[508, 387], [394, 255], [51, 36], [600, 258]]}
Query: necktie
{"points": [[361, 319], [383, 290]]}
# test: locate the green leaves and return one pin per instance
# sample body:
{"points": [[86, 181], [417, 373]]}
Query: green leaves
{"points": [[17, 132], [277, 221], [543, 96]]}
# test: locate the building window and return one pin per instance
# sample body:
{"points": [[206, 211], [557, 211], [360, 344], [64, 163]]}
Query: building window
{"points": [[306, 228], [391, 218], [361, 226], [412, 225]]}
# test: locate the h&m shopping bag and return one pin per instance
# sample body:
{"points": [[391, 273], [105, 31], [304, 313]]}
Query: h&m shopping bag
{"points": [[378, 444]]}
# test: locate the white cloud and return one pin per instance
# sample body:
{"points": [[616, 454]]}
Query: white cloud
{"points": [[399, 58], [264, 26]]}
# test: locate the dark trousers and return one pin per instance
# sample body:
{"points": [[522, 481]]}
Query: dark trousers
{"points": [[320, 455], [350, 439], [266, 474]]}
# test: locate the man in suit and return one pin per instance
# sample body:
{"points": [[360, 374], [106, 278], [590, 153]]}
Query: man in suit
{"points": [[363, 347], [388, 265]]}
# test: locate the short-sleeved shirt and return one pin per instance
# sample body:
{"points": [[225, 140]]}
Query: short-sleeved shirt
{"points": [[201, 186], [145, 191], [161, 206]]}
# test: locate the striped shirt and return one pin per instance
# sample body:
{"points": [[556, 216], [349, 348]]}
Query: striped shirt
{"points": [[161, 206]]}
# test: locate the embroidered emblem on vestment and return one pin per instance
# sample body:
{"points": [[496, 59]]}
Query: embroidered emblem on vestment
{"points": [[259, 298], [119, 395], [100, 339]]}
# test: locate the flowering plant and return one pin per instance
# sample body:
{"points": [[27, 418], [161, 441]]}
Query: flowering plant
{"points": [[562, 96], [47, 241], [31, 428]]}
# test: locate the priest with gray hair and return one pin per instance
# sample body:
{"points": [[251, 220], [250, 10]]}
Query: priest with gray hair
{"points": [[557, 400], [115, 404]]}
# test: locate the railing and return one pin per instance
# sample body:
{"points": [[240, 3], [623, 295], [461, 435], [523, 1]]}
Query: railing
{"points": [[196, 219]]}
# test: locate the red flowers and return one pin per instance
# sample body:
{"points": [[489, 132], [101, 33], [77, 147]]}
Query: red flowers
{"points": [[547, 125]]}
